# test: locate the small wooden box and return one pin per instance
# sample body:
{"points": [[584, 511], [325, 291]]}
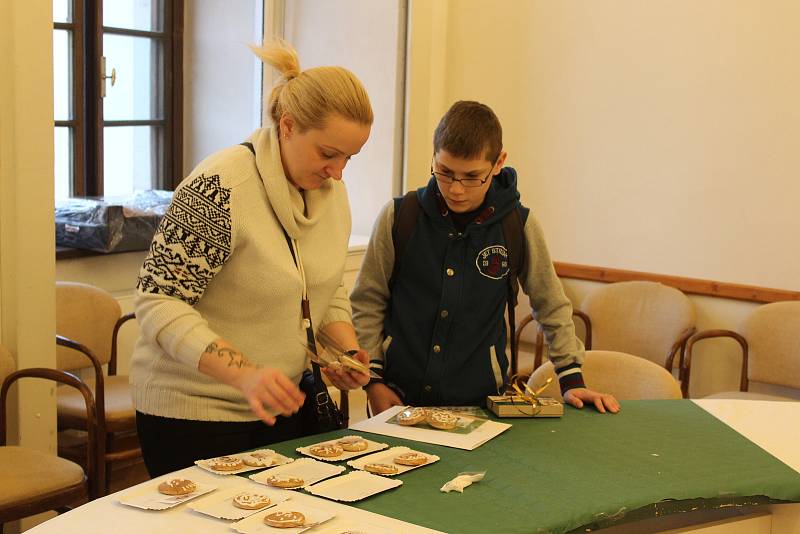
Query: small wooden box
{"points": [[507, 406]]}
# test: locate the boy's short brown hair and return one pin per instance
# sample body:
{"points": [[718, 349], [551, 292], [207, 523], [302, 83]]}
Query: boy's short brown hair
{"points": [[469, 130]]}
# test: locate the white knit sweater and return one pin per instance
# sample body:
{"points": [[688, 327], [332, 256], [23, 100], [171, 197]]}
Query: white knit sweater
{"points": [[219, 266]]}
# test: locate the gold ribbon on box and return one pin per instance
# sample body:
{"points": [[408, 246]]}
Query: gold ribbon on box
{"points": [[529, 397]]}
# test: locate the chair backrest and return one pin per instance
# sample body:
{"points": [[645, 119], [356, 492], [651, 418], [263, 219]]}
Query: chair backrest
{"points": [[772, 332], [642, 318], [625, 376], [85, 314]]}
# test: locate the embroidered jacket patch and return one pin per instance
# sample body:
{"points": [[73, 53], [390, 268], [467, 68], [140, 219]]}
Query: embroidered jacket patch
{"points": [[492, 262]]}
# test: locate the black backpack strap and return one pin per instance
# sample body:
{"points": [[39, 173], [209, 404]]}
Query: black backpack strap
{"points": [[406, 212], [514, 236]]}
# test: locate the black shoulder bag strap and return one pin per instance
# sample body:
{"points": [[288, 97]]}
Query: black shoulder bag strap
{"points": [[327, 414], [514, 237], [406, 212], [322, 401]]}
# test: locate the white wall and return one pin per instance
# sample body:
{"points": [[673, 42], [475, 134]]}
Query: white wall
{"points": [[659, 136], [222, 77], [367, 37], [27, 240], [27, 263]]}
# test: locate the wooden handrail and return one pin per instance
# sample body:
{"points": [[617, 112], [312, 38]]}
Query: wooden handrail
{"points": [[693, 286]]}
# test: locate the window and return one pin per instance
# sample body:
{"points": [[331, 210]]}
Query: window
{"points": [[117, 96]]}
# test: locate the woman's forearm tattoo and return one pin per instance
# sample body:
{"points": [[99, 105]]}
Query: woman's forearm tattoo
{"points": [[234, 357]]}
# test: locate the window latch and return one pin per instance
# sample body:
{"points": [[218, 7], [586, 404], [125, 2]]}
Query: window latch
{"points": [[104, 77]]}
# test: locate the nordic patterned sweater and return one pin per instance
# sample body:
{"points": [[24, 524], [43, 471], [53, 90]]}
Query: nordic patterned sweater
{"points": [[220, 266]]}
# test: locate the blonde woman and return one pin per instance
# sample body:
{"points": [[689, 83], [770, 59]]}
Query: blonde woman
{"points": [[250, 231]]}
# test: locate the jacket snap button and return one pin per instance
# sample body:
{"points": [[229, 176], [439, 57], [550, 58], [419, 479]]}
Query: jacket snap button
{"points": [[444, 314], [428, 389], [450, 272], [437, 349]]}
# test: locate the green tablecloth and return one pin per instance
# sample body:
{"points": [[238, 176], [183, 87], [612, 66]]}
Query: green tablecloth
{"points": [[554, 475]]}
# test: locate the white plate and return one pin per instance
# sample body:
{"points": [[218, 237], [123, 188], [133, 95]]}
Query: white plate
{"points": [[279, 460], [311, 471], [388, 456], [220, 504], [372, 446], [151, 499], [353, 486], [254, 524]]}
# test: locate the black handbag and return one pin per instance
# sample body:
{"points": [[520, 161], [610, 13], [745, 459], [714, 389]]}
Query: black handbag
{"points": [[319, 413]]}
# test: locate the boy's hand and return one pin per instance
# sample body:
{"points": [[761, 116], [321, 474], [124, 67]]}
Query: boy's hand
{"points": [[602, 401], [382, 397], [344, 378]]}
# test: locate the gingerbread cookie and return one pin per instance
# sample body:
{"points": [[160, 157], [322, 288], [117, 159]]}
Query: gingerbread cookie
{"points": [[411, 416], [285, 519], [259, 459], [225, 463], [353, 444], [286, 482], [381, 469], [411, 458], [326, 450], [441, 419], [251, 501], [177, 486]]}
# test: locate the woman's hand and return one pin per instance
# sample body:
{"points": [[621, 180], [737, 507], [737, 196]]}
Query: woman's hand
{"points": [[382, 397], [269, 393], [344, 378]]}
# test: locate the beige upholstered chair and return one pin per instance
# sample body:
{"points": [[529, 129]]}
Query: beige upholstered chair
{"points": [[623, 375], [647, 319], [31, 481], [770, 343], [87, 323]]}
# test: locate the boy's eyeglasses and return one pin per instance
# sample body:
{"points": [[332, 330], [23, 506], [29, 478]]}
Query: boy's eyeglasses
{"points": [[448, 179]]}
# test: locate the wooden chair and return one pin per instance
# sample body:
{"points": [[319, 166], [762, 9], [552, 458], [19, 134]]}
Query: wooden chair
{"points": [[647, 319], [88, 320], [524, 369], [625, 376], [31, 481], [770, 345]]}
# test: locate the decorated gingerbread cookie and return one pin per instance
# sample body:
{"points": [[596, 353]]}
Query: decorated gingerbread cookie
{"points": [[177, 486], [285, 482], [442, 419], [285, 519], [259, 459], [411, 416], [411, 458], [353, 444], [327, 450], [381, 469], [225, 463], [251, 501]]}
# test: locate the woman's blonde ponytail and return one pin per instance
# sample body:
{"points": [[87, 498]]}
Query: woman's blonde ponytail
{"points": [[310, 96]]}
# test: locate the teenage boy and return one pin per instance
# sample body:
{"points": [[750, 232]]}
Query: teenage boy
{"points": [[435, 328]]}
